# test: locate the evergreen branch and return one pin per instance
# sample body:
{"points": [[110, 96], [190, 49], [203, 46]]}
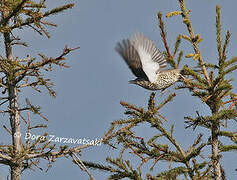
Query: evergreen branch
{"points": [[42, 30], [130, 173], [227, 40], [173, 13], [39, 5], [196, 142], [173, 173], [168, 136], [6, 159], [231, 61], [33, 67], [77, 161], [58, 9], [232, 100], [224, 114], [31, 20], [231, 69], [176, 47], [211, 75], [61, 153], [195, 152], [218, 80], [130, 144], [151, 102], [5, 20], [140, 148], [198, 121], [201, 94], [229, 134], [48, 23], [153, 139], [95, 166], [170, 98], [218, 34], [180, 57], [207, 173], [194, 74], [228, 148], [192, 85], [198, 167], [224, 86], [212, 66], [129, 106], [163, 34], [171, 62], [187, 21]]}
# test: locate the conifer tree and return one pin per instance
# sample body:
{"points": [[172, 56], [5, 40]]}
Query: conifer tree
{"points": [[17, 74], [212, 84]]}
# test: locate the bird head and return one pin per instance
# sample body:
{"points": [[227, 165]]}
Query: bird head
{"points": [[138, 81], [143, 83]]}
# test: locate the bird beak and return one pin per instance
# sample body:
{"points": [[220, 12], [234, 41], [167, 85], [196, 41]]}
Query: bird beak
{"points": [[131, 82]]}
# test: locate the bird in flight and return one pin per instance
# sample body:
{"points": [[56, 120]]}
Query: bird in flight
{"points": [[147, 63]]}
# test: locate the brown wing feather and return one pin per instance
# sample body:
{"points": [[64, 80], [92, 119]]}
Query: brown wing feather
{"points": [[150, 47], [131, 57]]}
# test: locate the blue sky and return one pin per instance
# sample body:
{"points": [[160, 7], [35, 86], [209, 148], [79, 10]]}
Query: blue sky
{"points": [[88, 93]]}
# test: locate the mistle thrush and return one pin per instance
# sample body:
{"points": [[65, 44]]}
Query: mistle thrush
{"points": [[147, 63]]}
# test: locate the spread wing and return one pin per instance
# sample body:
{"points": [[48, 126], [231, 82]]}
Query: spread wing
{"points": [[131, 57], [151, 58]]}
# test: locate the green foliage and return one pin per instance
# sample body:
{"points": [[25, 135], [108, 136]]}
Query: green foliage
{"points": [[211, 83], [151, 149], [29, 72], [18, 73]]}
